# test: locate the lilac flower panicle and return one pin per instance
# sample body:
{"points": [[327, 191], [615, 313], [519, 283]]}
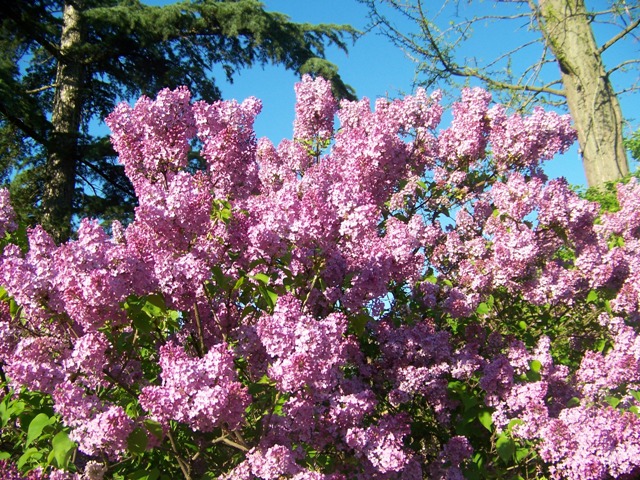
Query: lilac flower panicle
{"points": [[315, 109], [8, 221], [203, 393], [346, 223], [107, 433]]}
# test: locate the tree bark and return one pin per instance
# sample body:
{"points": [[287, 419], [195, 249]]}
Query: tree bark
{"points": [[590, 96], [62, 158]]}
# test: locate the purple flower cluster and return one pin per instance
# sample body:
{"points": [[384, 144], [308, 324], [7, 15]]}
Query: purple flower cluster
{"points": [[7, 215], [314, 305], [576, 430], [201, 392], [305, 352], [315, 110]]}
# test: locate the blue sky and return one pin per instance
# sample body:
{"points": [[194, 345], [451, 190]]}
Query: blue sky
{"points": [[375, 67]]}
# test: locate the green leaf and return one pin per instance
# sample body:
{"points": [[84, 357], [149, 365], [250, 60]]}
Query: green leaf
{"points": [[4, 455], [265, 380], [533, 375], [141, 321], [600, 345], [155, 428], [30, 453], [239, 283], [483, 309], [358, 323], [261, 277], [137, 441], [607, 306], [279, 404], [513, 423], [592, 296], [12, 409], [635, 394], [63, 447], [613, 401], [36, 426], [14, 308], [154, 305], [269, 295], [485, 419], [505, 447], [573, 402], [536, 366], [521, 454], [218, 274], [144, 475], [522, 325]]}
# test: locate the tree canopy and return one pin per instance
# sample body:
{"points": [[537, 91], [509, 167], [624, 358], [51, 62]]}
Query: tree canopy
{"points": [[66, 63]]}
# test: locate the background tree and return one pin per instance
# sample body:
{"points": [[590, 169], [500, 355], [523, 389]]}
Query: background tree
{"points": [[66, 63], [562, 32]]}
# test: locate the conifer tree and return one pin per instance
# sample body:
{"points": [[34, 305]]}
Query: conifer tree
{"points": [[64, 63]]}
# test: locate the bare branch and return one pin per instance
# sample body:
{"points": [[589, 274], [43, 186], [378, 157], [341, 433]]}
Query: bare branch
{"points": [[620, 35], [635, 88], [513, 52], [622, 65], [41, 89]]}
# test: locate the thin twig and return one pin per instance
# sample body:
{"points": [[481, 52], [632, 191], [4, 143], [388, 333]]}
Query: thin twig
{"points": [[183, 466], [200, 345], [224, 439], [41, 89], [613, 40]]}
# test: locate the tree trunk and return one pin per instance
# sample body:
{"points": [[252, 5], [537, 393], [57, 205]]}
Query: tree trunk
{"points": [[58, 193], [590, 96]]}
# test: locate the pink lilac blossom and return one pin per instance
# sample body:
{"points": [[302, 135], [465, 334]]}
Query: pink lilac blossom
{"points": [[9, 471], [600, 373], [94, 470], [448, 464], [75, 404], [152, 137], [497, 377], [351, 409], [8, 221], [526, 141], [334, 232], [36, 363], [467, 137], [28, 277], [57, 474], [272, 463], [201, 392], [106, 432], [381, 444], [307, 353], [88, 359], [315, 109], [229, 145], [591, 443], [9, 333]]}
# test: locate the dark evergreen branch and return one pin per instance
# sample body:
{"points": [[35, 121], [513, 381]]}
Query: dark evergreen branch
{"points": [[30, 25], [22, 125]]}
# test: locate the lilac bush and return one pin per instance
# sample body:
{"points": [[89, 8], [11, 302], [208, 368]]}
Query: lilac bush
{"points": [[381, 299]]}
